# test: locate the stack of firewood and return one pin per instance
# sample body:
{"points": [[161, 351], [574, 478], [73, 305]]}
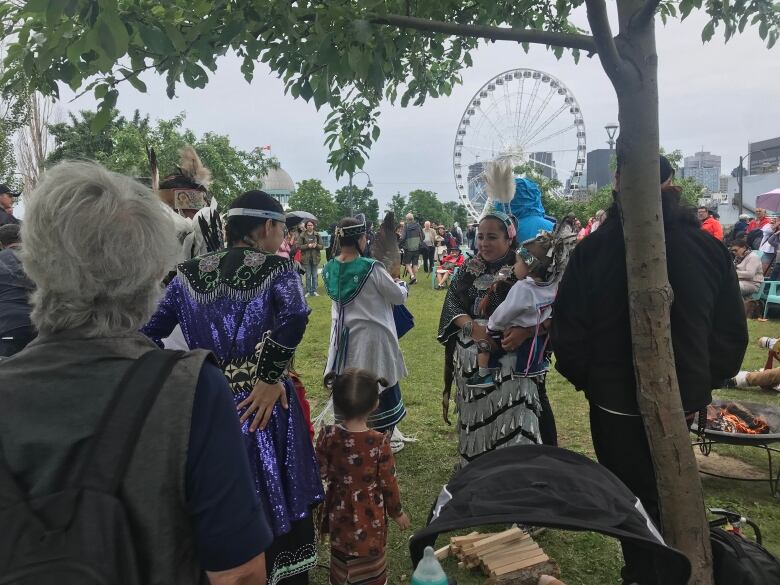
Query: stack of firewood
{"points": [[510, 556]]}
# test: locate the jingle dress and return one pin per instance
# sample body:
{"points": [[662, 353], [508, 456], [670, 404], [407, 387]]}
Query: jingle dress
{"points": [[363, 332], [248, 308], [506, 413]]}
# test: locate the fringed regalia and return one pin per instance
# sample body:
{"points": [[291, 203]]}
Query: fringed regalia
{"points": [[506, 413], [248, 308]]}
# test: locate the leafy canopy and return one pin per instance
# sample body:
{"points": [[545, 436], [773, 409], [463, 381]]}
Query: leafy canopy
{"points": [[348, 55], [121, 143], [311, 196]]}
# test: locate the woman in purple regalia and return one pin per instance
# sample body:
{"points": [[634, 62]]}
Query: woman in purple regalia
{"points": [[246, 305]]}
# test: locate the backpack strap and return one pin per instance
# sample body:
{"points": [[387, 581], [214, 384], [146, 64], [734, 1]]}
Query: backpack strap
{"points": [[113, 444]]}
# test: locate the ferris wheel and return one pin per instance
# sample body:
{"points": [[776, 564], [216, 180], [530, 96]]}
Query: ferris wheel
{"points": [[529, 117]]}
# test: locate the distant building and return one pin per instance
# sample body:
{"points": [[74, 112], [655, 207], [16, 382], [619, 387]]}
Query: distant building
{"points": [[280, 185], [723, 184], [476, 183], [599, 173], [705, 168], [764, 156], [544, 163]]}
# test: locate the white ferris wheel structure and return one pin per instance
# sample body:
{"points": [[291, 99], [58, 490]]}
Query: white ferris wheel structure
{"points": [[529, 117]]}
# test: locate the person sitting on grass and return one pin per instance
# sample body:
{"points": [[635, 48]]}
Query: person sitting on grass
{"points": [[358, 468], [538, 268], [448, 265]]}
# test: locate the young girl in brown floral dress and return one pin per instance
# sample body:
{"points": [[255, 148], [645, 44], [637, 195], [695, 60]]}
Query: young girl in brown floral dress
{"points": [[358, 468]]}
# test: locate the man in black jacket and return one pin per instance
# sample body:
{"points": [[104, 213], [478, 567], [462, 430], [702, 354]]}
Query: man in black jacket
{"points": [[591, 336]]}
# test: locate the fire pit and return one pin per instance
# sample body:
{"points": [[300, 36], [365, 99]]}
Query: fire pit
{"points": [[749, 424]]}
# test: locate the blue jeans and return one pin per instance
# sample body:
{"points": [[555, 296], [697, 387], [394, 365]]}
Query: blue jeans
{"points": [[311, 266]]}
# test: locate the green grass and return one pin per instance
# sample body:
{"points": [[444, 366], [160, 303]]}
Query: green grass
{"points": [[585, 558]]}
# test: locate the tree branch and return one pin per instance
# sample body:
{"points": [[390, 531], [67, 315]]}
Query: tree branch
{"points": [[602, 36], [493, 33], [645, 15]]}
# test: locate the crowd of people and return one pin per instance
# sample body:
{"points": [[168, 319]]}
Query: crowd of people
{"points": [[226, 475]]}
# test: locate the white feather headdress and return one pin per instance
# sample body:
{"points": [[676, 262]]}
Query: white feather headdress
{"points": [[500, 181]]}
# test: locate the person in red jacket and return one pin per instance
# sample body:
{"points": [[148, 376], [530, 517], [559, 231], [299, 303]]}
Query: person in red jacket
{"points": [[760, 220], [709, 223]]}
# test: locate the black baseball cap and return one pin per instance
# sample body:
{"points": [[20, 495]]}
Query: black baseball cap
{"points": [[5, 189]]}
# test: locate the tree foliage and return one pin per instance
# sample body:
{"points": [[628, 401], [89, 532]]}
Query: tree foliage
{"points": [[397, 205], [311, 196], [353, 200], [347, 55], [13, 115], [121, 143]]}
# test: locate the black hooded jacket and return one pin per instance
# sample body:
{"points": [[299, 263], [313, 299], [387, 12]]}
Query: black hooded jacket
{"points": [[591, 333]]}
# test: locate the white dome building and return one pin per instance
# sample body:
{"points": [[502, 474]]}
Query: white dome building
{"points": [[279, 184]]}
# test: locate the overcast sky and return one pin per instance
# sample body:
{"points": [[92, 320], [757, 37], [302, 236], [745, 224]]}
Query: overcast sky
{"points": [[715, 96]]}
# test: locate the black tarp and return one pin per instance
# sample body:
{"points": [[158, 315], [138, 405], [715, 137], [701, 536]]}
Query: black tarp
{"points": [[539, 485]]}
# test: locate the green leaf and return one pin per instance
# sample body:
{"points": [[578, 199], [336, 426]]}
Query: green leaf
{"points": [[175, 36], [708, 31], [686, 6], [467, 60], [104, 112], [100, 91], [132, 79], [375, 133], [155, 39], [54, 10], [112, 34]]}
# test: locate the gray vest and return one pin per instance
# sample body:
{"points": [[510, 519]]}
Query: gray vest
{"points": [[52, 396]]}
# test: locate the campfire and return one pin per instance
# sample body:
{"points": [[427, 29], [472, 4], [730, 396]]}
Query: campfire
{"points": [[734, 417]]}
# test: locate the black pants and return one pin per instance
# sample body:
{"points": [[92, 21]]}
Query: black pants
{"points": [[301, 533], [12, 342], [427, 254], [621, 446], [547, 428]]}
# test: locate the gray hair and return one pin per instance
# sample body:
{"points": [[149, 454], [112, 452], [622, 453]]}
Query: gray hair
{"points": [[97, 245]]}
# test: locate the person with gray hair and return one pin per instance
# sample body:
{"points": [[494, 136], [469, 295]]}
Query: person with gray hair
{"points": [[411, 240], [97, 246]]}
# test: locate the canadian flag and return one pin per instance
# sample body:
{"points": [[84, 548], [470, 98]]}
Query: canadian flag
{"points": [[266, 147]]}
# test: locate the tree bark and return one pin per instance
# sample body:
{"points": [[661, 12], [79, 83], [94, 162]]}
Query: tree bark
{"points": [[650, 296]]}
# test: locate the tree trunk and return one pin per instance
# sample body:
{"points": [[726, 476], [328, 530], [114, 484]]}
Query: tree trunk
{"points": [[650, 296]]}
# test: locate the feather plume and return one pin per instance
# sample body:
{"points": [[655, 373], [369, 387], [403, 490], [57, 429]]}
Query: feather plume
{"points": [[191, 167], [500, 181], [384, 246]]}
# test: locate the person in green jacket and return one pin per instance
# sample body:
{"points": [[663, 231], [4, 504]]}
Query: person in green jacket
{"points": [[310, 244]]}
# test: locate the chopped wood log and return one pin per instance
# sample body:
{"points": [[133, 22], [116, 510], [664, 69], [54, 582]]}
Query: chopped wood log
{"points": [[540, 558], [504, 536], [467, 538], [443, 552], [528, 576], [514, 557]]}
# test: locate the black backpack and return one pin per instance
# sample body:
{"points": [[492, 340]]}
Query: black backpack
{"points": [[81, 535], [739, 561]]}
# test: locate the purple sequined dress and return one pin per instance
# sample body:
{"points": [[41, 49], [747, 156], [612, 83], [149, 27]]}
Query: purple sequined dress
{"points": [[225, 302]]}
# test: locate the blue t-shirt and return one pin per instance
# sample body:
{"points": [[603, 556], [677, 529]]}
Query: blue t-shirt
{"points": [[228, 521]]}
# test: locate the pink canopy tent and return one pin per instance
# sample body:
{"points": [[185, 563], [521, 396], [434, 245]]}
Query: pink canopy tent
{"points": [[769, 201]]}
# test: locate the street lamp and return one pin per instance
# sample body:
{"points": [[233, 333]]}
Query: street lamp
{"points": [[369, 185], [611, 130]]}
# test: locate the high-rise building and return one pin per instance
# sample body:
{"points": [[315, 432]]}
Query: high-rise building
{"points": [[724, 184], [764, 156], [705, 168], [599, 173], [476, 183], [544, 163]]}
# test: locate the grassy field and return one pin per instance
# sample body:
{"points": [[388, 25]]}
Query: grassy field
{"points": [[425, 466]]}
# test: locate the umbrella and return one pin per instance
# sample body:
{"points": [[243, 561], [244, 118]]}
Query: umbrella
{"points": [[296, 217]]}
